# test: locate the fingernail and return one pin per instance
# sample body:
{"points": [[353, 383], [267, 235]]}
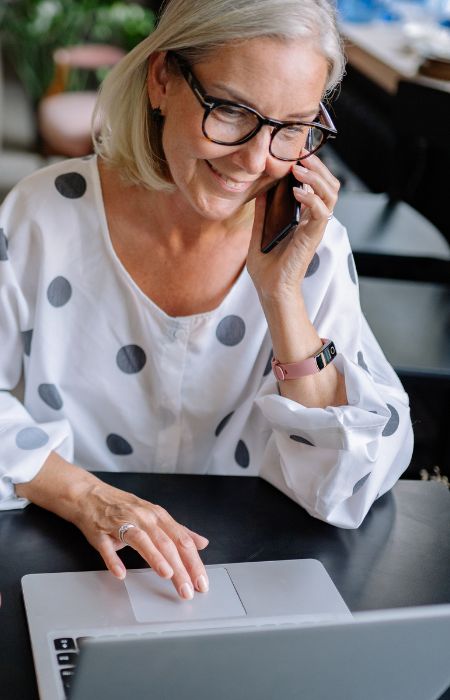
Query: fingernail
{"points": [[187, 591], [119, 571], [165, 571], [300, 168], [202, 584]]}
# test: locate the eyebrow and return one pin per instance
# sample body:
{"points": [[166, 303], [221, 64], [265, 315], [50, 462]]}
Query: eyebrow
{"points": [[242, 100]]}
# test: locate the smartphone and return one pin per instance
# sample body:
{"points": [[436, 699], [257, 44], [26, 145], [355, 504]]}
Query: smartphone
{"points": [[282, 213], [282, 209]]}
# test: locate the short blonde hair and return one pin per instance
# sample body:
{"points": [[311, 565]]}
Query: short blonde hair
{"points": [[129, 136]]}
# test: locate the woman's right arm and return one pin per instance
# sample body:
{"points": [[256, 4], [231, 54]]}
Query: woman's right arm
{"points": [[35, 457]]}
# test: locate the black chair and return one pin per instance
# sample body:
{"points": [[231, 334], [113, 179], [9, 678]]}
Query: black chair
{"points": [[399, 143], [403, 262]]}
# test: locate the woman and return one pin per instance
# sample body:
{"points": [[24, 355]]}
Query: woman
{"points": [[134, 289]]}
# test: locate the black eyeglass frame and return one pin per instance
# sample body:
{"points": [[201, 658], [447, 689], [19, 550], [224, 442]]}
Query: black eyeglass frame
{"points": [[209, 103]]}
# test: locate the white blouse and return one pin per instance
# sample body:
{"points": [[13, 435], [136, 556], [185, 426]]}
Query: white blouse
{"points": [[114, 383]]}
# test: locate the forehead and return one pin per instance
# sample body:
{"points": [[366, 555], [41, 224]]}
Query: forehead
{"points": [[278, 77]]}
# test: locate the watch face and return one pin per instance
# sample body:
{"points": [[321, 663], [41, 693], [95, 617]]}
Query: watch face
{"points": [[327, 355]]}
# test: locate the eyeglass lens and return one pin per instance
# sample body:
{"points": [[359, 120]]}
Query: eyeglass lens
{"points": [[231, 123]]}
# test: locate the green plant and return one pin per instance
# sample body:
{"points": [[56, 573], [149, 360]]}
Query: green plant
{"points": [[30, 30]]}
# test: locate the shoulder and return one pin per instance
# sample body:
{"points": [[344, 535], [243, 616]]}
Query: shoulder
{"points": [[69, 179], [43, 200]]}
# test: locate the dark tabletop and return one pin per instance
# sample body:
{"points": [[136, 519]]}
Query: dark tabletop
{"points": [[400, 556]]}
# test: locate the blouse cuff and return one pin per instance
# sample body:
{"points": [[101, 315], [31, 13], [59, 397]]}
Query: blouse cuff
{"points": [[26, 447], [348, 427]]}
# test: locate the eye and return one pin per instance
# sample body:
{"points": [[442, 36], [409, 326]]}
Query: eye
{"points": [[293, 132], [231, 113]]}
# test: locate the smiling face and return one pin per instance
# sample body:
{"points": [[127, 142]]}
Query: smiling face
{"points": [[282, 80]]}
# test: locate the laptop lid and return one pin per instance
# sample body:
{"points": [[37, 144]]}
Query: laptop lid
{"points": [[384, 655]]}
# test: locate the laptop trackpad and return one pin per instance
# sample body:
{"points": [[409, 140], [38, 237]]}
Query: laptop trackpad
{"points": [[154, 599]]}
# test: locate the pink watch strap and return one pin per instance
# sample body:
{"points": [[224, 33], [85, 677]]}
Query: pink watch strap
{"points": [[312, 365]]}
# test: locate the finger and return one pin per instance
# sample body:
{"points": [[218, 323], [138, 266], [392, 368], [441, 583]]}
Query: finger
{"points": [[187, 549], [199, 541], [105, 547], [178, 549], [315, 164], [326, 191], [317, 208], [139, 539], [186, 543]]}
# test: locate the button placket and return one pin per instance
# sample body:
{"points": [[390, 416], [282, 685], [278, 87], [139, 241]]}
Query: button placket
{"points": [[172, 363]]}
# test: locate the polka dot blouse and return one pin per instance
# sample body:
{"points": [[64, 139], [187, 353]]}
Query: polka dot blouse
{"points": [[111, 382]]}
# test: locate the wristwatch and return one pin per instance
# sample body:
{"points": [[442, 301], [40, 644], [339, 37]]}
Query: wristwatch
{"points": [[312, 365]]}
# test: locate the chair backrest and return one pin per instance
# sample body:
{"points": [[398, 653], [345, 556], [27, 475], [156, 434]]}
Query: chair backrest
{"points": [[84, 56], [422, 154]]}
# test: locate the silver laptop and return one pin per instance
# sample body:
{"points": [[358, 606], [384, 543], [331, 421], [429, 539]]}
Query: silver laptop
{"points": [[66, 608], [265, 629]]}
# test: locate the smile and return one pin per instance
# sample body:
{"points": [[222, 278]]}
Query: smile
{"points": [[229, 183]]}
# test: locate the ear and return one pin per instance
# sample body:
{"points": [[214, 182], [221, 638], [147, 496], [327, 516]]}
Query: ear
{"points": [[157, 80]]}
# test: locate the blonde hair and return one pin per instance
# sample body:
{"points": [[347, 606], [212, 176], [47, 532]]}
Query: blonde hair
{"points": [[129, 136]]}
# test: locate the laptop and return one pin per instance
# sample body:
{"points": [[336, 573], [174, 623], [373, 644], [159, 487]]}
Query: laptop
{"points": [[265, 630]]}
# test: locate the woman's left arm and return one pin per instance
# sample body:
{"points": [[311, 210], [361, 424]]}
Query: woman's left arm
{"points": [[341, 437], [278, 278]]}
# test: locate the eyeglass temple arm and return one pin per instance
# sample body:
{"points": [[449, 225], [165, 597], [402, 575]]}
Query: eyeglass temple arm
{"points": [[328, 121], [191, 79]]}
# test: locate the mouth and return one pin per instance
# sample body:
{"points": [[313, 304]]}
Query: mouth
{"points": [[229, 183]]}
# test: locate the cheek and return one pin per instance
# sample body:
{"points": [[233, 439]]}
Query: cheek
{"points": [[183, 134]]}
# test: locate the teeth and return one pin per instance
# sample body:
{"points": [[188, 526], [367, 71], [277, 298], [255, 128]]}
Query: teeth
{"points": [[234, 184]]}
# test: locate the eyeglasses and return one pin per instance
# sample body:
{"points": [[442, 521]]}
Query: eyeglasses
{"points": [[231, 124]]}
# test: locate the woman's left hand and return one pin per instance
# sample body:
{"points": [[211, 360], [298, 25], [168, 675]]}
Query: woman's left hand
{"points": [[281, 271]]}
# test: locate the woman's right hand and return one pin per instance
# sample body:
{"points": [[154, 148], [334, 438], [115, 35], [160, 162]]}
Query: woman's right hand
{"points": [[98, 510]]}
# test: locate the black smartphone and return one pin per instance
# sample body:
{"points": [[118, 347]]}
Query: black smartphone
{"points": [[282, 212]]}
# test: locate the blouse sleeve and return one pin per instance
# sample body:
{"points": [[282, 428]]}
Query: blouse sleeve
{"points": [[25, 443], [336, 461]]}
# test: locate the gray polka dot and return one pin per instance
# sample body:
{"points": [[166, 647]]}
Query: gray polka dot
{"points": [[313, 266], [223, 423], [230, 330], [393, 422], [131, 359], [3, 246], [50, 395], [362, 362], [299, 438], [352, 268], [59, 291], [118, 445], [27, 337], [242, 455], [71, 185], [31, 438], [268, 367], [359, 484]]}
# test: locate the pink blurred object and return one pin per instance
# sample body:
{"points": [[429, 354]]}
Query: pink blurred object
{"points": [[64, 118]]}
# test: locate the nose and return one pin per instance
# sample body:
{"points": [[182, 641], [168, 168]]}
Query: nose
{"points": [[254, 155]]}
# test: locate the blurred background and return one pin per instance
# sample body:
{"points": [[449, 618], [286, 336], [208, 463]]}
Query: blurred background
{"points": [[392, 156]]}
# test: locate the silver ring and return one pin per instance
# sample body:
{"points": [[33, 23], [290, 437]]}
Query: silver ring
{"points": [[123, 529], [330, 215]]}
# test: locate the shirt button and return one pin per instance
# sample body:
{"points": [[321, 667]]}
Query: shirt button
{"points": [[180, 334]]}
